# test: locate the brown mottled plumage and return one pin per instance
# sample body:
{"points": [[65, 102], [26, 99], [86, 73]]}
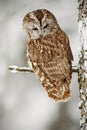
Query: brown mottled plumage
{"points": [[49, 53]]}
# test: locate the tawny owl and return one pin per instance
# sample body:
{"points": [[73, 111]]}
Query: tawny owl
{"points": [[49, 52]]}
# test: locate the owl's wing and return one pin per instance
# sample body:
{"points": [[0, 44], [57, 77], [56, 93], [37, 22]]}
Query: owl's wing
{"points": [[53, 66], [69, 52], [51, 59], [63, 39]]}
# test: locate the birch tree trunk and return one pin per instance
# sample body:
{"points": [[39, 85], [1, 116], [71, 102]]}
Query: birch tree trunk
{"points": [[82, 73]]}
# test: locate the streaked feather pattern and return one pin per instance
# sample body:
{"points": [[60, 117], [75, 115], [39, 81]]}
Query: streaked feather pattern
{"points": [[51, 58]]}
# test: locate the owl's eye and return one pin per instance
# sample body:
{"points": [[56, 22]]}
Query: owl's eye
{"points": [[34, 28], [46, 25]]}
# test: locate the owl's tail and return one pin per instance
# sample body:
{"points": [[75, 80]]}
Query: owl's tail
{"points": [[59, 92], [57, 89]]}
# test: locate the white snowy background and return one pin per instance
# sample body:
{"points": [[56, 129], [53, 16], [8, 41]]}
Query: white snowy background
{"points": [[24, 104]]}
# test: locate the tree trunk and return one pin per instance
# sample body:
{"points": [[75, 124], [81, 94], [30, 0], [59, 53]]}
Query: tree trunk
{"points": [[82, 73]]}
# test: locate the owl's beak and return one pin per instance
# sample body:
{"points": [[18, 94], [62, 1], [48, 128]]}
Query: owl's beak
{"points": [[41, 33]]}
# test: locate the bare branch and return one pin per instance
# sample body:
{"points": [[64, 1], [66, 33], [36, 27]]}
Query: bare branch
{"points": [[74, 69], [15, 69]]}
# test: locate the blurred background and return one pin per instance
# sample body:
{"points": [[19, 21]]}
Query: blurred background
{"points": [[24, 104]]}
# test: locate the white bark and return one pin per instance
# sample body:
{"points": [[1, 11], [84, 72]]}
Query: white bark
{"points": [[82, 75]]}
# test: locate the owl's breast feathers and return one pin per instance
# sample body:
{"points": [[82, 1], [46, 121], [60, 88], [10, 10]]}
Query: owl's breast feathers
{"points": [[51, 58]]}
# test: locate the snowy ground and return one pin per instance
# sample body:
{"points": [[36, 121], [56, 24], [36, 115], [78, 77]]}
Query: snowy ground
{"points": [[24, 104]]}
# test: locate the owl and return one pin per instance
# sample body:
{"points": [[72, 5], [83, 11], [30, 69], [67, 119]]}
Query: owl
{"points": [[49, 53]]}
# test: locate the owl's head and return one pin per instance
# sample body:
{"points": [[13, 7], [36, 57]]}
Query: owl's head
{"points": [[40, 23]]}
